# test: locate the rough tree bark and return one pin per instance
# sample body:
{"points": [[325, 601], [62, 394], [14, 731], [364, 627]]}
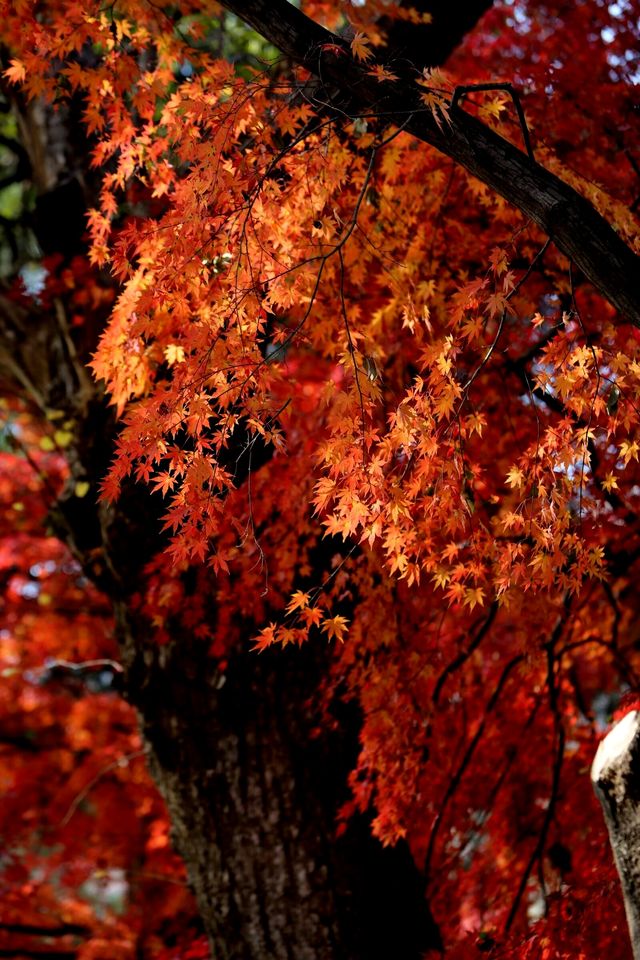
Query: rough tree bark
{"points": [[252, 796], [616, 779]]}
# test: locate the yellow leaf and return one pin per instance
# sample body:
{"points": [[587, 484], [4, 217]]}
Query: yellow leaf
{"points": [[47, 444], [629, 451], [62, 438], [515, 477], [441, 579], [81, 488], [473, 597], [492, 108], [174, 353], [477, 422]]}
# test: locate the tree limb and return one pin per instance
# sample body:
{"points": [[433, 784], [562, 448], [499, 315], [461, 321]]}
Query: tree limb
{"points": [[568, 219]]}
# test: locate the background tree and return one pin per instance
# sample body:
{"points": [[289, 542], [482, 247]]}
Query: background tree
{"points": [[325, 371]]}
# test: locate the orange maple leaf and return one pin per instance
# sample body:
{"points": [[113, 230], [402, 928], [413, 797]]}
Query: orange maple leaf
{"points": [[360, 47], [16, 72], [335, 627]]}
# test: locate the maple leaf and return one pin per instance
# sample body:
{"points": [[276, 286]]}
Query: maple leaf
{"points": [[381, 73], [16, 71], [110, 487], [441, 578], [493, 108], [164, 483], [498, 260], [473, 597], [266, 638], [515, 477], [360, 47], [335, 627], [299, 601], [629, 450], [174, 353], [438, 105], [496, 303], [312, 616], [473, 328]]}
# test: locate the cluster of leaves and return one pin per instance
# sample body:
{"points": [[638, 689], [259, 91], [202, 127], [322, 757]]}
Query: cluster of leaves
{"points": [[87, 869], [374, 394]]}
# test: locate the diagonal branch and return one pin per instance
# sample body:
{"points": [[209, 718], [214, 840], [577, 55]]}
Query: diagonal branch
{"points": [[568, 219], [464, 655]]}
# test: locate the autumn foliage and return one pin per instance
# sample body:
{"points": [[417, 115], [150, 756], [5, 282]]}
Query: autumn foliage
{"points": [[377, 408]]}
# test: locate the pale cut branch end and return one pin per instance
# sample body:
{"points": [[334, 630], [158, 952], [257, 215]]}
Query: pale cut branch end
{"points": [[615, 774], [614, 748]]}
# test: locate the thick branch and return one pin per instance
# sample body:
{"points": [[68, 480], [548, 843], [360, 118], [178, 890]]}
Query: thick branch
{"points": [[572, 223]]}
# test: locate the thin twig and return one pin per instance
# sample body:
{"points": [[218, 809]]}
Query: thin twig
{"points": [[122, 761], [559, 747], [464, 655], [466, 759]]}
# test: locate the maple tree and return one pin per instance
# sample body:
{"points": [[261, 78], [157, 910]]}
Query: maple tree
{"points": [[319, 364]]}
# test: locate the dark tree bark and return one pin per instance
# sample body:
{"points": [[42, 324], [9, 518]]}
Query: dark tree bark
{"points": [[252, 795]]}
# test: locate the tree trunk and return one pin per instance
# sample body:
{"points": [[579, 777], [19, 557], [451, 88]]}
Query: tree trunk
{"points": [[616, 779], [252, 790]]}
